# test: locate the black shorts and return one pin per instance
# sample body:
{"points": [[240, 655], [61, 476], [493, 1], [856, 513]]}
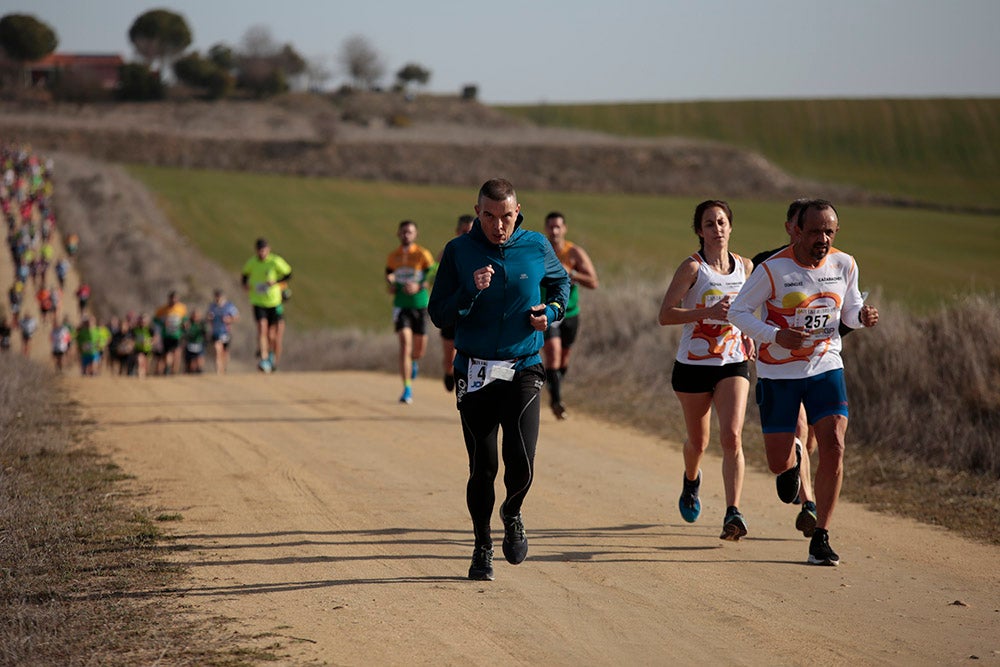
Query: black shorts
{"points": [[448, 333], [565, 330], [410, 318], [272, 315], [170, 344], [692, 379]]}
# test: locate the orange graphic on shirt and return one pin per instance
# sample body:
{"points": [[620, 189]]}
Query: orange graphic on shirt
{"points": [[720, 337], [784, 318]]}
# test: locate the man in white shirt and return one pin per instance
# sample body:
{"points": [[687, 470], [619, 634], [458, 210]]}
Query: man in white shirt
{"points": [[803, 293]]}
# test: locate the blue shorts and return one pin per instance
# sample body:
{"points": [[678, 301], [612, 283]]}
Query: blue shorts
{"points": [[823, 395]]}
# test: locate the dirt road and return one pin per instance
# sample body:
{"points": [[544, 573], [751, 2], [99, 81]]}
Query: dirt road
{"points": [[322, 516]]}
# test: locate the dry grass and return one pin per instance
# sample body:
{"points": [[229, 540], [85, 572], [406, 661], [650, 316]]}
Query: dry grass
{"points": [[83, 574], [923, 390]]}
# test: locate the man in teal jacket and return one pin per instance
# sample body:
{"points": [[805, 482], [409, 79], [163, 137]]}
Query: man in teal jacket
{"points": [[488, 287]]}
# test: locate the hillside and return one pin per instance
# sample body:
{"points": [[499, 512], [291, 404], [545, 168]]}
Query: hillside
{"points": [[936, 151], [444, 141]]}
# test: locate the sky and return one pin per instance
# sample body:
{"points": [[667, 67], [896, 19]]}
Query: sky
{"points": [[553, 51]]}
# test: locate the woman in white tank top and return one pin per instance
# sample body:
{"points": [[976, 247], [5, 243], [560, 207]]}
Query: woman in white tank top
{"points": [[711, 365]]}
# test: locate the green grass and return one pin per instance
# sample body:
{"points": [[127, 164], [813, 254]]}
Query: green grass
{"points": [[938, 150], [337, 234]]}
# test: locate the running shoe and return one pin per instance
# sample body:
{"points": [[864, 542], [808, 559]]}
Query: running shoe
{"points": [[820, 552], [482, 564], [559, 411], [515, 543], [449, 383], [414, 369], [265, 365], [689, 503], [806, 520], [734, 526], [407, 396], [788, 481]]}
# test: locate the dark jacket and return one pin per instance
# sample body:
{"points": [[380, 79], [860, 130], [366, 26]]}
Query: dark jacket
{"points": [[494, 323]]}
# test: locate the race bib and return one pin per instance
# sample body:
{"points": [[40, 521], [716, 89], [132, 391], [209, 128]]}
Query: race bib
{"points": [[484, 371], [820, 323], [711, 300], [262, 288]]}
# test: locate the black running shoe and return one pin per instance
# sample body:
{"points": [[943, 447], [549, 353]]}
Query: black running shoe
{"points": [[734, 526], [515, 543], [559, 411], [806, 520], [788, 481], [820, 552], [482, 564], [449, 382], [689, 504]]}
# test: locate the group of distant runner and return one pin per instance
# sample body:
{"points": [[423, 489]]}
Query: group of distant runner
{"points": [[170, 340]]}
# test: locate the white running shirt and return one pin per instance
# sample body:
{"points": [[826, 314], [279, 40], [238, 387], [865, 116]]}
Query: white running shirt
{"points": [[793, 295], [712, 342]]}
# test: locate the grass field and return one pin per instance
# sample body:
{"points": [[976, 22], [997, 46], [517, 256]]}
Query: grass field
{"points": [[336, 234], [937, 150]]}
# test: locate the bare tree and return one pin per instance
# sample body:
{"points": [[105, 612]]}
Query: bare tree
{"points": [[317, 73], [258, 42], [262, 62], [363, 63]]}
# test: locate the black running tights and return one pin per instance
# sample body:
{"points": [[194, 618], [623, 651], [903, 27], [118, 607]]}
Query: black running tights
{"points": [[514, 407]]}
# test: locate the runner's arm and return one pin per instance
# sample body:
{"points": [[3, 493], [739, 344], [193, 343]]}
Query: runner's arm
{"points": [[743, 309], [583, 272], [671, 311]]}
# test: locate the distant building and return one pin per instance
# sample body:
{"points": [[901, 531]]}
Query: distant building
{"points": [[100, 67]]}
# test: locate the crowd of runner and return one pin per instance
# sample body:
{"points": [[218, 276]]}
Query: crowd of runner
{"points": [[42, 306]]}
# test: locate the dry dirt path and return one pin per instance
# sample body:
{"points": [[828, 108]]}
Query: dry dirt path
{"points": [[321, 515]]}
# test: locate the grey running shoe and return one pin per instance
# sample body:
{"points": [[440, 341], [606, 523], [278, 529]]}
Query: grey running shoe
{"points": [[734, 526], [788, 481], [515, 543], [820, 552], [482, 564], [806, 520]]}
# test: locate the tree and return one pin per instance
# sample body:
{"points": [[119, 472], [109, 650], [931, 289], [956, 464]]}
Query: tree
{"points": [[362, 62], [138, 83], [25, 39], [265, 67], [204, 73], [223, 56], [317, 74], [160, 35], [412, 73]]}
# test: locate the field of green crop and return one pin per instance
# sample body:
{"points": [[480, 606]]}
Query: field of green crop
{"points": [[937, 150], [337, 234]]}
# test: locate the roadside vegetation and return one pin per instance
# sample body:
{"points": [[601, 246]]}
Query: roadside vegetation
{"points": [[940, 151], [84, 572]]}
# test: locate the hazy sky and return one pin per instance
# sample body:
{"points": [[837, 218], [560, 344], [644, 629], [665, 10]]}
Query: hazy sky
{"points": [[528, 51]]}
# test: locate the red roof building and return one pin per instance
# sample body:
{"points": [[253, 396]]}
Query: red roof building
{"points": [[104, 67]]}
